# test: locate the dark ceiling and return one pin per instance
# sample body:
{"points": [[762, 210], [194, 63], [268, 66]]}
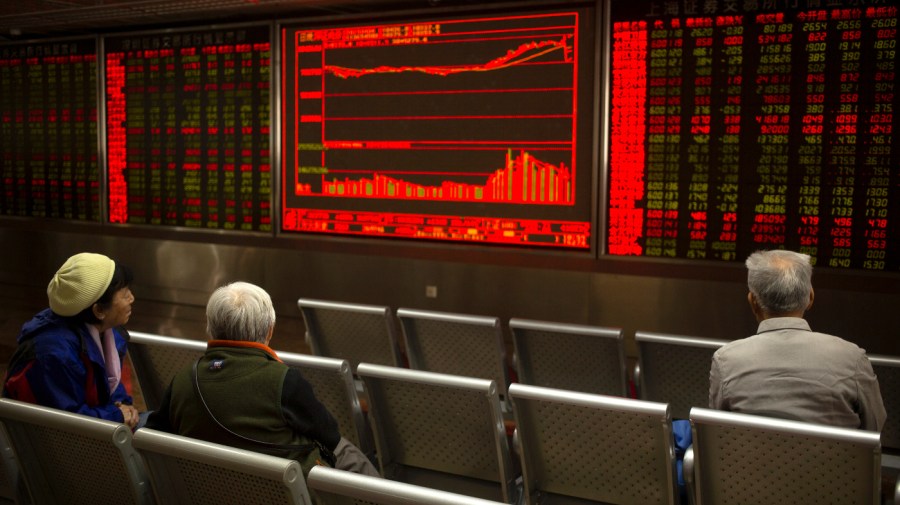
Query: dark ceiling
{"points": [[30, 19]]}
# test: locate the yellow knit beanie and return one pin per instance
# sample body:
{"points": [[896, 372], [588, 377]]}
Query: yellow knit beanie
{"points": [[79, 283]]}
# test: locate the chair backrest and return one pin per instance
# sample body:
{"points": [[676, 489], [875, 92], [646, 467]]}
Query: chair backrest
{"points": [[456, 344], [188, 471], [742, 458], [887, 369], [602, 449], [334, 386], [351, 331], [441, 431], [157, 359], [590, 359], [336, 487], [674, 369], [71, 458]]}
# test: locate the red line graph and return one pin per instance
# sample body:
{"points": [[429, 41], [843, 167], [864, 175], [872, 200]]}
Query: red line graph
{"points": [[448, 92], [382, 112], [442, 118], [518, 56], [445, 129]]}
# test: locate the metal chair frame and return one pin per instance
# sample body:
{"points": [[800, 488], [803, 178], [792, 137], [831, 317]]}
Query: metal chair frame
{"points": [[335, 487], [887, 369]]}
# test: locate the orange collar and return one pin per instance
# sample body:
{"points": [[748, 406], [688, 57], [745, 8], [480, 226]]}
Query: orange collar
{"points": [[244, 344]]}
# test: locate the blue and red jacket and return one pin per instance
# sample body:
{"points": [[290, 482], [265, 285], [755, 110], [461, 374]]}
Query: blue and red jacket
{"points": [[57, 364]]}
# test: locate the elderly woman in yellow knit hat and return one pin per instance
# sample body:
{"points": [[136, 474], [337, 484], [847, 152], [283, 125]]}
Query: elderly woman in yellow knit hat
{"points": [[70, 355]]}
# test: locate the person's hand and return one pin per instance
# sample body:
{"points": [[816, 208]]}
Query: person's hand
{"points": [[129, 414]]}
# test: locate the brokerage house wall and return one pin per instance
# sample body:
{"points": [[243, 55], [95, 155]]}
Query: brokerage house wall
{"points": [[702, 299]]}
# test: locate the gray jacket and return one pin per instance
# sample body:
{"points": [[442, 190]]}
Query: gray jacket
{"points": [[790, 372]]}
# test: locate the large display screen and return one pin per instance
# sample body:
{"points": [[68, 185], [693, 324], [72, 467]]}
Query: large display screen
{"points": [[472, 129], [48, 130], [738, 126], [187, 128]]}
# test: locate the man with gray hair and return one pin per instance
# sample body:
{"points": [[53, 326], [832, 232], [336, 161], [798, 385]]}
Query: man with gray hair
{"points": [[786, 370], [240, 393]]}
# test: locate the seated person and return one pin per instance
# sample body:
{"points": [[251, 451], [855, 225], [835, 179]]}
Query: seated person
{"points": [[70, 355], [786, 370], [240, 394]]}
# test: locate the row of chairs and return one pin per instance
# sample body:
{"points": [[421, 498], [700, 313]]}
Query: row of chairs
{"points": [[591, 359], [399, 401], [53, 457], [671, 369], [437, 432], [447, 431]]}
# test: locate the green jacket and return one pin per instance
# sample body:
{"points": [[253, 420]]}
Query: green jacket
{"points": [[252, 393]]}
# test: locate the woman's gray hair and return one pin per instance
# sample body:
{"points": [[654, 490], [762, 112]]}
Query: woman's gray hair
{"points": [[781, 281], [239, 311]]}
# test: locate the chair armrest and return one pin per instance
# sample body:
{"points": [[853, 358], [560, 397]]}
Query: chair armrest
{"points": [[897, 492], [687, 470], [515, 443], [636, 377]]}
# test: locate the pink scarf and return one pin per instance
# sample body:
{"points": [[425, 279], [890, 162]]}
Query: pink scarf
{"points": [[110, 355]]}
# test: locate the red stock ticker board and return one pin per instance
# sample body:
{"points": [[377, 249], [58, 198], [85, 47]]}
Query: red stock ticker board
{"points": [[737, 130], [474, 129], [187, 128], [48, 130]]}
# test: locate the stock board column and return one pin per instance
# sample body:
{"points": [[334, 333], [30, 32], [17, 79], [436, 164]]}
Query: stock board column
{"points": [[191, 124], [253, 90], [626, 221], [115, 138], [699, 34], [841, 162], [813, 29], [773, 92], [724, 190], [52, 141], [878, 118], [83, 118], [166, 62], [40, 130], [660, 129], [666, 68]]}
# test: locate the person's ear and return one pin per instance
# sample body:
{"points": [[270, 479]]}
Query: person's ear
{"points": [[754, 306], [812, 296], [98, 312]]}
